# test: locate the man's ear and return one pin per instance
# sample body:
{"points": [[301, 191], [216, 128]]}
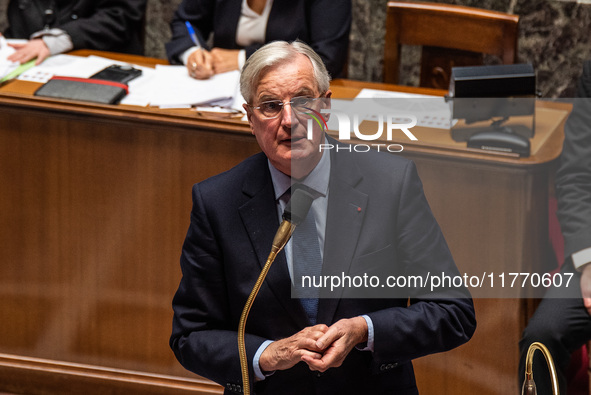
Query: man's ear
{"points": [[327, 104], [249, 115]]}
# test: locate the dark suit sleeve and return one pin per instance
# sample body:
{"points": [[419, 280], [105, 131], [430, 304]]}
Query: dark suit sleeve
{"points": [[200, 13], [435, 321], [573, 179], [324, 24], [204, 336], [109, 25], [329, 23]]}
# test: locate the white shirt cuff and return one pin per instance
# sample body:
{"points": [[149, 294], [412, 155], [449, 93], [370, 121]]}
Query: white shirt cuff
{"points": [[581, 258], [241, 59], [370, 335], [185, 55], [258, 373], [57, 40]]}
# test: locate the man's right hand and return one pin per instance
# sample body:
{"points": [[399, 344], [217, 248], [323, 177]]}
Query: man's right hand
{"points": [[200, 64], [285, 353]]}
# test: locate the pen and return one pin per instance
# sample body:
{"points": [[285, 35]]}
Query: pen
{"points": [[192, 34]]}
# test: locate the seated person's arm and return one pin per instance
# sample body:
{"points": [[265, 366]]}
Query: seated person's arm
{"points": [[42, 44], [573, 185], [110, 26], [199, 13]]}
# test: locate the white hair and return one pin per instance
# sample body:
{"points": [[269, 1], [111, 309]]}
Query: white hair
{"points": [[273, 54]]}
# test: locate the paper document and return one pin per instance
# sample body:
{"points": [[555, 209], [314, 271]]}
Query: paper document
{"points": [[430, 111], [6, 66], [66, 66], [173, 87]]}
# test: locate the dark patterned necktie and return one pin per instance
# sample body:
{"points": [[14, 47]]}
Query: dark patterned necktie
{"points": [[307, 261]]}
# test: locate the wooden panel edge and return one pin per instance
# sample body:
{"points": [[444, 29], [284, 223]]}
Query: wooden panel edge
{"points": [[27, 375]]}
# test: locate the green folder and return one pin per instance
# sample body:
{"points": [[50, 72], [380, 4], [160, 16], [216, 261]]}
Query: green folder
{"points": [[18, 71]]}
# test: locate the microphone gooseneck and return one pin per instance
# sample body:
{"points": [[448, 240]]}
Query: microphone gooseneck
{"points": [[296, 210], [529, 386]]}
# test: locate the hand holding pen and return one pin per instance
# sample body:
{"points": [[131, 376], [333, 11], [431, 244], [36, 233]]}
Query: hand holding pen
{"points": [[203, 64], [199, 63]]}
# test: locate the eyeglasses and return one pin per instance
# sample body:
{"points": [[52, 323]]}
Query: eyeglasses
{"points": [[272, 108]]}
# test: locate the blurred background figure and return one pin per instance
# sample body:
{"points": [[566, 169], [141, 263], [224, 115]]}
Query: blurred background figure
{"points": [[57, 26], [240, 27]]}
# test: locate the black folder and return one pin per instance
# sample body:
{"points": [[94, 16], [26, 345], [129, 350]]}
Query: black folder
{"points": [[84, 89]]}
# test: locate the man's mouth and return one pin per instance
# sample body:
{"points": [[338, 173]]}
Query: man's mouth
{"points": [[295, 139]]}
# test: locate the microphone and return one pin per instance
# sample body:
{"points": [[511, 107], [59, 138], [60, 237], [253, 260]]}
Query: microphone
{"points": [[295, 212]]}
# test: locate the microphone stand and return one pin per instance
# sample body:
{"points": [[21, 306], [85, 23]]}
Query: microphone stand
{"points": [[300, 202], [529, 386]]}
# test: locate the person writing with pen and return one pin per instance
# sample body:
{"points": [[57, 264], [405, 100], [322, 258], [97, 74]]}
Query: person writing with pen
{"points": [[239, 27]]}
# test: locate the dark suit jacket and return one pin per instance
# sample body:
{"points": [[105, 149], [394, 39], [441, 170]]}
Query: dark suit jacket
{"points": [[322, 24], [573, 179], [105, 25], [233, 221]]}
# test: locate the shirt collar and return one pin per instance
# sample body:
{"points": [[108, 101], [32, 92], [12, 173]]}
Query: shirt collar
{"points": [[316, 180]]}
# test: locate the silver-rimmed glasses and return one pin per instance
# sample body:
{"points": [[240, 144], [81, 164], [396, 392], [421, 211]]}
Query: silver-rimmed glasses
{"points": [[272, 108]]}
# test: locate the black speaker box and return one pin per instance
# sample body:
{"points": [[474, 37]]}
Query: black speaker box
{"points": [[507, 80]]}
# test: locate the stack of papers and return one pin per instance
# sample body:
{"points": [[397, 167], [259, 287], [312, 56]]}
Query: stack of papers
{"points": [[171, 86], [6, 66]]}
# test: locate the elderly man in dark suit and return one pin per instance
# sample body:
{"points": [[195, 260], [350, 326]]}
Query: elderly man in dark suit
{"points": [[371, 218], [562, 322]]}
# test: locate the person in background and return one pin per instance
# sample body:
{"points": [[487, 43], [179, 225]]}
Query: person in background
{"points": [[562, 321], [240, 27], [369, 215], [57, 26]]}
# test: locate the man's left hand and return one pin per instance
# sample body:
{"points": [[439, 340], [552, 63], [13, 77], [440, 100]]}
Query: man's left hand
{"points": [[224, 60], [337, 342]]}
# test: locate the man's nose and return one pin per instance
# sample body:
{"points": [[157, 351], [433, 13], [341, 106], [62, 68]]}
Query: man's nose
{"points": [[286, 115]]}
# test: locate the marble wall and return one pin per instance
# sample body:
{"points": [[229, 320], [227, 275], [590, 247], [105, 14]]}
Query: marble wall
{"points": [[555, 36]]}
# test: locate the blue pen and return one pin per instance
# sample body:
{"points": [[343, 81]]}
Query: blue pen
{"points": [[192, 33]]}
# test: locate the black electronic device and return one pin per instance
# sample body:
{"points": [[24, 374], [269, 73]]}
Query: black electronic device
{"points": [[463, 134], [480, 93], [500, 142], [117, 73], [504, 80], [493, 107]]}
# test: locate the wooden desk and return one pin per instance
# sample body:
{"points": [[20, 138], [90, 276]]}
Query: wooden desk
{"points": [[95, 204], [493, 211]]}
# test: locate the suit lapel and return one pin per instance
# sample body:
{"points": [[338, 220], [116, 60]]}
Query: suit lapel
{"points": [[261, 223], [346, 210]]}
